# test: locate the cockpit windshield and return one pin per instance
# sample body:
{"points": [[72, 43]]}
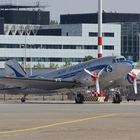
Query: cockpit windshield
{"points": [[118, 59]]}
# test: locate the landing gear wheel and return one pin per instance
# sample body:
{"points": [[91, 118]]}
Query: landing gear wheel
{"points": [[23, 99], [79, 99], [117, 98]]}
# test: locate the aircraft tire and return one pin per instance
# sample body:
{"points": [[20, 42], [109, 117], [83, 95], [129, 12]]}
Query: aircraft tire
{"points": [[117, 98], [23, 100], [79, 99]]}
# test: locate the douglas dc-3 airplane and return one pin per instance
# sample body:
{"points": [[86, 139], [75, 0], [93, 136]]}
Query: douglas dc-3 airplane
{"points": [[102, 72]]}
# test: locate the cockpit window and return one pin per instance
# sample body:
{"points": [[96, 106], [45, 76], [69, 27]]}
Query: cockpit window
{"points": [[118, 59]]}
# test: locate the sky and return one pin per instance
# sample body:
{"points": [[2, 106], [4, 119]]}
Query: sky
{"points": [[58, 7]]}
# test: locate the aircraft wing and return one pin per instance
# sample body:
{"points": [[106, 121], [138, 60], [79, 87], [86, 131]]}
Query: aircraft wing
{"points": [[39, 83]]}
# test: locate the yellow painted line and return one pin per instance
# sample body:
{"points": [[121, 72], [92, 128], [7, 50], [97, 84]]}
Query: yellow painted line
{"points": [[56, 124]]}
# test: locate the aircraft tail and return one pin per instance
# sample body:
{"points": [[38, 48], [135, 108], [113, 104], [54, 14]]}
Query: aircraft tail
{"points": [[14, 69]]}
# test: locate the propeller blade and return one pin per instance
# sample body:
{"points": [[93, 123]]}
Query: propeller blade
{"points": [[97, 81], [130, 74], [100, 72], [97, 86], [88, 72], [135, 86]]}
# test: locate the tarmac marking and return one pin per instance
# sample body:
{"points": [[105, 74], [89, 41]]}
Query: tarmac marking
{"points": [[56, 124]]}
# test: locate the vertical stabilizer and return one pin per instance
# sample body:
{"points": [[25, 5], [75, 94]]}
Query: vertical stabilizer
{"points": [[14, 69]]}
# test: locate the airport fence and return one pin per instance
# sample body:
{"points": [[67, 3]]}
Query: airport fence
{"points": [[59, 96]]}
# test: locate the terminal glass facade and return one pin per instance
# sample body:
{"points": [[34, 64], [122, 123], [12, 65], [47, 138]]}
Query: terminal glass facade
{"points": [[130, 38]]}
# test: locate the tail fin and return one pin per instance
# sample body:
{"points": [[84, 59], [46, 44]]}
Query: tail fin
{"points": [[13, 69]]}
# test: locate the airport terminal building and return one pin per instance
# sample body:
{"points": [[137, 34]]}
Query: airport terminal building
{"points": [[33, 39], [130, 28], [72, 44]]}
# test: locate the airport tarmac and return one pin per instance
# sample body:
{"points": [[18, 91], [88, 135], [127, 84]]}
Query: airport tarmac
{"points": [[70, 121]]}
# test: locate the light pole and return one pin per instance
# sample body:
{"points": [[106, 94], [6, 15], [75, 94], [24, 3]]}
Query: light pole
{"points": [[24, 59], [31, 60], [100, 42], [139, 48]]}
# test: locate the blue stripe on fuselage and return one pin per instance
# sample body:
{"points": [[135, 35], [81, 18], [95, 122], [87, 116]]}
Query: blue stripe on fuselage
{"points": [[128, 62], [99, 67]]}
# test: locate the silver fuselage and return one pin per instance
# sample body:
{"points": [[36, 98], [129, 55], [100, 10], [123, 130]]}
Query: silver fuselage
{"points": [[77, 73]]}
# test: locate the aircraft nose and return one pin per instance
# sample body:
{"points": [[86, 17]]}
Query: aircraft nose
{"points": [[131, 64], [126, 66]]}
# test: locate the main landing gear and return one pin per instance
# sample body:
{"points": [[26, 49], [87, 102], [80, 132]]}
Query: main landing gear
{"points": [[79, 98], [117, 98]]}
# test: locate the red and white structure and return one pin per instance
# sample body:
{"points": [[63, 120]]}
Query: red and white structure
{"points": [[100, 40]]}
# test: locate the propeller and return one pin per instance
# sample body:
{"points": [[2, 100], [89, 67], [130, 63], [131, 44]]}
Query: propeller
{"points": [[133, 79], [135, 86], [95, 77]]}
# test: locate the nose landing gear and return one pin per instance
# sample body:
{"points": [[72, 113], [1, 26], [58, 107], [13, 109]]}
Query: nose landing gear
{"points": [[23, 99]]}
